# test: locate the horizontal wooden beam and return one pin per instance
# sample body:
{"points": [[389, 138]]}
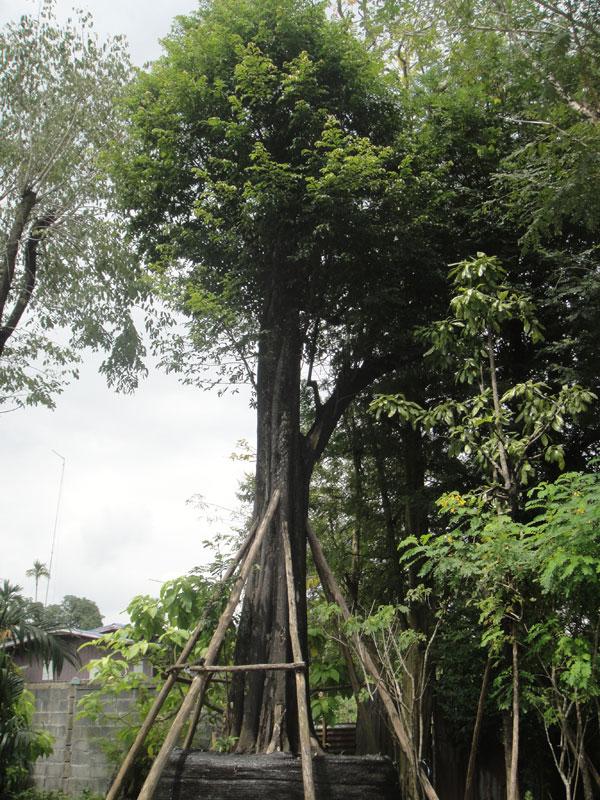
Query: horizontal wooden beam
{"points": [[294, 665]]}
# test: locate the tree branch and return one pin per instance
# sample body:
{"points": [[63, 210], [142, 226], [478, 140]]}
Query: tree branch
{"points": [[22, 214], [311, 362], [39, 227], [240, 352], [317, 397], [350, 381], [580, 108], [574, 23]]}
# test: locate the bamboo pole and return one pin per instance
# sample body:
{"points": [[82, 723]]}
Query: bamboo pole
{"points": [[171, 679], [331, 588], [303, 720], [198, 684]]}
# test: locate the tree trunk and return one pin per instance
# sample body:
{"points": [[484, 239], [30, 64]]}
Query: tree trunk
{"points": [[13, 242], [588, 792], [25, 291], [512, 792], [396, 573], [264, 704], [416, 684], [353, 580], [470, 781], [506, 742]]}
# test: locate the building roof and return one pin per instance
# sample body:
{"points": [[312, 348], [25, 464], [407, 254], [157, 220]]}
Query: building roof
{"points": [[72, 633]]}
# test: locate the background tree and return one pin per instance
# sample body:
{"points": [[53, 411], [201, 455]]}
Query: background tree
{"points": [[533, 584], [71, 612], [518, 82], [524, 158], [504, 432], [64, 263], [39, 570], [81, 613], [504, 429]]}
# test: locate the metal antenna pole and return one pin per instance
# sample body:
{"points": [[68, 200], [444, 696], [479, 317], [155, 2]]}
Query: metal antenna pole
{"points": [[58, 499]]}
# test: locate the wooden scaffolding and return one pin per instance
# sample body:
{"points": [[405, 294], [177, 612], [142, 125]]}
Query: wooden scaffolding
{"points": [[191, 706]]}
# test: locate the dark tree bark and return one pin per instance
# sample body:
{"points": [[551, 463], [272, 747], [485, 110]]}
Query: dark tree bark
{"points": [[264, 703], [13, 241], [420, 615], [386, 505], [507, 746], [513, 786]]}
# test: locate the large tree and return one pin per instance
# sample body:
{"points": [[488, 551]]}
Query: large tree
{"points": [[66, 278], [270, 186]]}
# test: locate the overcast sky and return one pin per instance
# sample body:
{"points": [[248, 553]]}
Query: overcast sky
{"points": [[132, 462]]}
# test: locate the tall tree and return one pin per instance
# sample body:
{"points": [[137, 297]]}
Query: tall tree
{"points": [[518, 82], [64, 265], [269, 184]]}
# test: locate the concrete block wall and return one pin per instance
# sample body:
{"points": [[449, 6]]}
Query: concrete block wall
{"points": [[77, 761]]}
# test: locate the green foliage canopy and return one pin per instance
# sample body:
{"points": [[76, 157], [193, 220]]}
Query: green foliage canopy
{"points": [[264, 154], [542, 573], [157, 633]]}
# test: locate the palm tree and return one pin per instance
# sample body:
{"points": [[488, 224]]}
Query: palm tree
{"points": [[39, 570], [19, 744]]}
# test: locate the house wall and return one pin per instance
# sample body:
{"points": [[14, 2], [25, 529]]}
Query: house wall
{"points": [[33, 669]]}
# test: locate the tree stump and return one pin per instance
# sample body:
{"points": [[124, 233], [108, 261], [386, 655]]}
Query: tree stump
{"points": [[195, 775]]}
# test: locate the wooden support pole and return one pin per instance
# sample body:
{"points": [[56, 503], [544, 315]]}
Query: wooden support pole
{"points": [[199, 683], [301, 693], [154, 711], [332, 589]]}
